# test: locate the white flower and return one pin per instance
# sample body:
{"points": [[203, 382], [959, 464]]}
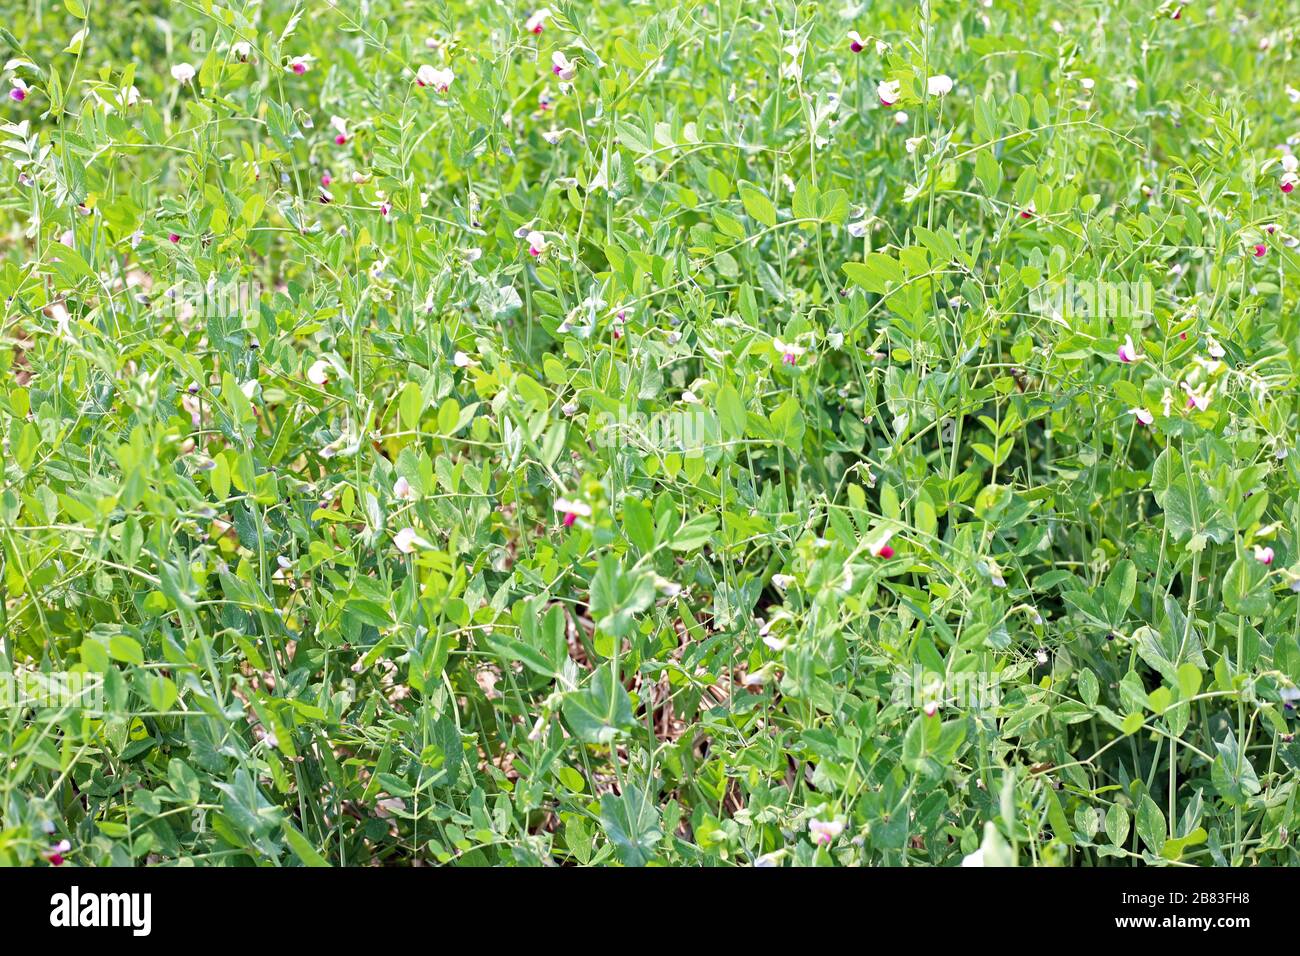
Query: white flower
{"points": [[782, 582], [974, 859], [461, 360], [889, 91], [403, 491], [900, 118], [879, 547], [790, 352], [440, 80], [1142, 415], [318, 374], [1196, 400], [241, 50], [912, 143], [1087, 83], [182, 72], [567, 507], [563, 67], [408, 540], [1128, 352], [940, 85], [824, 832], [537, 22]]}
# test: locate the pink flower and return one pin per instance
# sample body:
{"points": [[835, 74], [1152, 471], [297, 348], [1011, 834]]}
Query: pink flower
{"points": [[55, 853], [1199, 402], [1290, 172], [1029, 211], [536, 244], [536, 23], [326, 179], [790, 352], [1142, 415], [1263, 555], [856, 43], [572, 510], [403, 491], [1260, 250], [19, 92], [299, 65], [881, 548], [173, 237], [562, 66], [824, 832], [889, 91], [440, 80], [1128, 352], [408, 541]]}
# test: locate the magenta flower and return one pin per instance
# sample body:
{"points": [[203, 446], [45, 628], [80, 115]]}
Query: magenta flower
{"points": [[55, 853], [881, 548], [1128, 352], [537, 22], [790, 352], [824, 832], [572, 511]]}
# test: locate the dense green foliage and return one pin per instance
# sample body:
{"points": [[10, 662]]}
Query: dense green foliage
{"points": [[632, 441]]}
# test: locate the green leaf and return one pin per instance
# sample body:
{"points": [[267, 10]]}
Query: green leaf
{"points": [[410, 404], [125, 649], [694, 533], [601, 711], [301, 846], [618, 596], [1151, 824], [1244, 589], [731, 413], [757, 204], [631, 821]]}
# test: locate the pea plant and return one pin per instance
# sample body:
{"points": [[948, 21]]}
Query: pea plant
{"points": [[696, 433]]}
